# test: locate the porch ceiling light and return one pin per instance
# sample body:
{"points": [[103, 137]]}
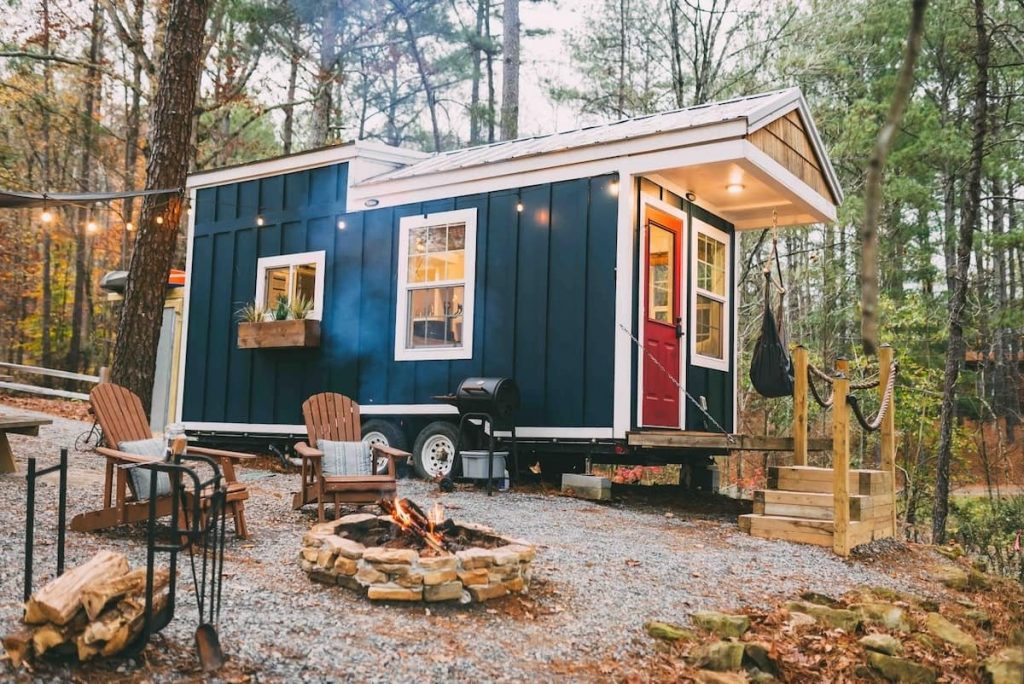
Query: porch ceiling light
{"points": [[734, 188]]}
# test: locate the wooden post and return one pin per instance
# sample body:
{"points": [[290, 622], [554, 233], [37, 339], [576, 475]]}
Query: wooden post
{"points": [[800, 406], [888, 430], [841, 460], [104, 375]]}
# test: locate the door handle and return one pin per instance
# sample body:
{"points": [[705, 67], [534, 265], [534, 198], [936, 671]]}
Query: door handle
{"points": [[679, 327]]}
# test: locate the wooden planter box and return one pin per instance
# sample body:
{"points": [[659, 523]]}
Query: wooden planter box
{"points": [[278, 334]]}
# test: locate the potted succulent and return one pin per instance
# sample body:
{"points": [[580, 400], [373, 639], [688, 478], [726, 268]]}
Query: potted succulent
{"points": [[286, 324]]}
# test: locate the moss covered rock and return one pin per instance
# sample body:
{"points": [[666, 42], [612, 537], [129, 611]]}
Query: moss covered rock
{"points": [[722, 624]]}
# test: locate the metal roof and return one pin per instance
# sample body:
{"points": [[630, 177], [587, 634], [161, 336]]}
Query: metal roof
{"points": [[754, 109]]}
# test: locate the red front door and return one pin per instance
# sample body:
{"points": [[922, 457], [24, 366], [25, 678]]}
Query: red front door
{"points": [[662, 328]]}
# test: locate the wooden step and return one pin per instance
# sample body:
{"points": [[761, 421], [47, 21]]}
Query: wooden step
{"points": [[819, 480], [818, 506], [806, 531]]}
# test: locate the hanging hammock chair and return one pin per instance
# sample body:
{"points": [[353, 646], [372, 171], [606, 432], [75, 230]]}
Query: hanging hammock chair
{"points": [[771, 367]]}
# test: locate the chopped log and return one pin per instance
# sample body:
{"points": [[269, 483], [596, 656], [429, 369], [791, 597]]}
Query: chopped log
{"points": [[98, 595], [117, 626], [51, 636], [410, 517], [17, 646], [59, 600]]}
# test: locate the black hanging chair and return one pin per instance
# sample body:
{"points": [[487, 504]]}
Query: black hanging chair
{"points": [[771, 367]]}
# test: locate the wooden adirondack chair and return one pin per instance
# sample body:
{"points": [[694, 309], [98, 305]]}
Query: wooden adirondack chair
{"points": [[122, 418], [336, 417]]}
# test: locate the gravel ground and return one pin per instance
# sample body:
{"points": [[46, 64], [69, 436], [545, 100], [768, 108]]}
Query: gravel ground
{"points": [[601, 572]]}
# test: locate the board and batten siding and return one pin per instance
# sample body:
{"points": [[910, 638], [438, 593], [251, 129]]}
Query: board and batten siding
{"points": [[717, 387], [544, 309]]}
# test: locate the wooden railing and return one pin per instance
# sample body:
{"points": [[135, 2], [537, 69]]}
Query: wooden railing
{"points": [[6, 383], [840, 405]]}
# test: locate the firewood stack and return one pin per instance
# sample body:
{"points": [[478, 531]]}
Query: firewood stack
{"points": [[94, 609]]}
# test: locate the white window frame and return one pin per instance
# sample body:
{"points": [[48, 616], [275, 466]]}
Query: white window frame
{"points": [[318, 259], [407, 223], [698, 228]]}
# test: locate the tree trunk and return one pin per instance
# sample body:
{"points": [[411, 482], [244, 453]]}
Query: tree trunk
{"points": [[45, 322], [169, 135], [958, 297], [322, 107], [424, 73], [482, 8], [677, 53], [133, 127], [289, 111], [491, 97], [873, 184], [510, 71], [79, 319]]}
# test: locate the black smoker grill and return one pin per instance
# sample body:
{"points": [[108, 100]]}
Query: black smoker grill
{"points": [[494, 401]]}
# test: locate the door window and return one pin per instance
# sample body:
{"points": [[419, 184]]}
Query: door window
{"points": [[661, 256]]}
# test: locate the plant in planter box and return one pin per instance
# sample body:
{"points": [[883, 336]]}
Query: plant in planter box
{"points": [[250, 313]]}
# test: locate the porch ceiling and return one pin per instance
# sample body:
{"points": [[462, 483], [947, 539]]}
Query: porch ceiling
{"points": [[749, 207]]}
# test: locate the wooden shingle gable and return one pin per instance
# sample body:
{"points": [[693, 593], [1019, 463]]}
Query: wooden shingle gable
{"points": [[785, 140]]}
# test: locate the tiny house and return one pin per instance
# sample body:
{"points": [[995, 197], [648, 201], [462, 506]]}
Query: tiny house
{"points": [[596, 267]]}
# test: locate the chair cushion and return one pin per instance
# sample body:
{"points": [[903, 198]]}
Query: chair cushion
{"points": [[345, 458], [139, 478]]}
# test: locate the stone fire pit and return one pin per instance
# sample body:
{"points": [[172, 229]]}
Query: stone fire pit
{"points": [[369, 554]]}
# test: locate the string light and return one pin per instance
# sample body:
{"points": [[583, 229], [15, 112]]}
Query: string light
{"points": [[129, 227], [341, 224], [91, 227], [519, 205], [614, 188], [46, 216], [159, 220], [259, 219]]}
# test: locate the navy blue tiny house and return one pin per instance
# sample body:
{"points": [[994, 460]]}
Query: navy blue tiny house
{"points": [[595, 267]]}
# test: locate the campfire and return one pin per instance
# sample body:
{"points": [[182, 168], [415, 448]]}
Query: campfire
{"points": [[407, 554]]}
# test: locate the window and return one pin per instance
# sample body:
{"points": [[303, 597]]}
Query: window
{"points": [[436, 277], [661, 261], [291, 276], [710, 324]]}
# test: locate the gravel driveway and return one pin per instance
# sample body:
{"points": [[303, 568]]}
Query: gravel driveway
{"points": [[600, 573]]}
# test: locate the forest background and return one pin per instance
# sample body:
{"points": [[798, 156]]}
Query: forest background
{"points": [[282, 76]]}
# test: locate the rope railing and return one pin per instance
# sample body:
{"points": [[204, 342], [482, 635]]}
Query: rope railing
{"points": [[876, 423], [814, 371]]}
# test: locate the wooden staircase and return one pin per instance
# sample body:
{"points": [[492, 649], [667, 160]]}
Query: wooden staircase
{"points": [[799, 506]]}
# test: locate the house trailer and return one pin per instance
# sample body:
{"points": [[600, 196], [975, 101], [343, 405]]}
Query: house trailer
{"points": [[595, 267]]}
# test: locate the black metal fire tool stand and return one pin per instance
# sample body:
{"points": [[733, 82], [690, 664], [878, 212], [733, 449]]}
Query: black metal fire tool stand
{"points": [[488, 426], [30, 515]]}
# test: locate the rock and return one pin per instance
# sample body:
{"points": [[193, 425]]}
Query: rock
{"points": [[393, 568], [950, 552], [758, 654], [885, 614], [368, 575], [720, 656], [435, 577], [356, 520], [486, 592], [449, 591], [882, 643], [980, 618], [472, 559], [668, 631], [710, 677], [798, 619], [344, 547], [516, 585], [411, 580], [887, 594], [525, 552], [951, 576], [722, 624], [504, 556], [819, 599], [951, 634], [977, 580], [1006, 666], [389, 593], [310, 554], [835, 618], [318, 575], [376, 554], [472, 577], [758, 677], [438, 563], [901, 670], [325, 559], [345, 566]]}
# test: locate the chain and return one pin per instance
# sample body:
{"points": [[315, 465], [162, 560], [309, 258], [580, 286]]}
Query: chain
{"points": [[728, 437]]}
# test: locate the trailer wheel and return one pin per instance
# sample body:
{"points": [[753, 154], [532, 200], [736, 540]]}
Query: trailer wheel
{"points": [[379, 432], [433, 454]]}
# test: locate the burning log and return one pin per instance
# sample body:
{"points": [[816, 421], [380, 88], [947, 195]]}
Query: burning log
{"points": [[95, 608], [409, 516]]}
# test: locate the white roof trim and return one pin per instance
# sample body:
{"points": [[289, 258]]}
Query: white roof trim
{"points": [[325, 156]]}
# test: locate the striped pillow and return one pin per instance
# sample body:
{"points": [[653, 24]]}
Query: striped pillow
{"points": [[346, 458]]}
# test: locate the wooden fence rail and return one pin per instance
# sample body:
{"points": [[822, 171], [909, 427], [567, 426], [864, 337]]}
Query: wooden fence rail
{"points": [[49, 372]]}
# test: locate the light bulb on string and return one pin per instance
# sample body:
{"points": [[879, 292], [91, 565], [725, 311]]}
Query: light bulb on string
{"points": [[46, 216], [341, 224], [259, 219], [129, 227], [91, 227], [159, 220]]}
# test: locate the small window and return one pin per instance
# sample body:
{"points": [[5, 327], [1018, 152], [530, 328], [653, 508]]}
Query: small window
{"points": [[291, 276], [710, 341], [436, 275], [661, 262]]}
